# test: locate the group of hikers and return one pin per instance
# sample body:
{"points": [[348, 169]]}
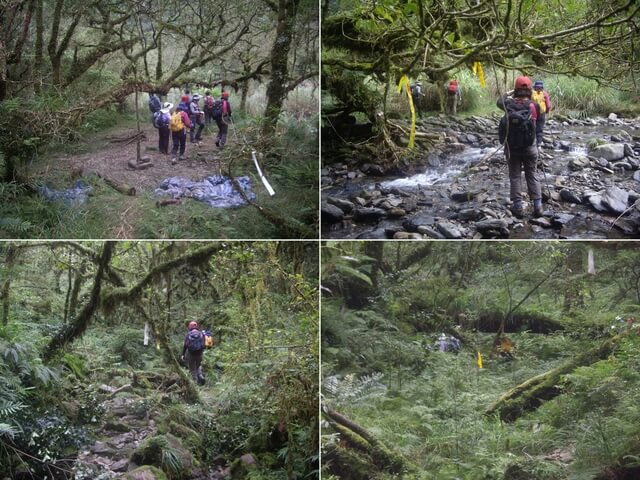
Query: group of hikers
{"points": [[520, 131], [188, 115]]}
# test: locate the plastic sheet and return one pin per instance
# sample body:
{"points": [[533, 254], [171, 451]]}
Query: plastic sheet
{"points": [[73, 196], [216, 190]]}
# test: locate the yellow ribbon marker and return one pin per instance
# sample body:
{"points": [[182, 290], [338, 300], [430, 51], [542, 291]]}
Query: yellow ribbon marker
{"points": [[479, 360], [404, 82], [479, 72]]}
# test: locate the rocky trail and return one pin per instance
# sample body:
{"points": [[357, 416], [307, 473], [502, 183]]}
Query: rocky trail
{"points": [[589, 170]]}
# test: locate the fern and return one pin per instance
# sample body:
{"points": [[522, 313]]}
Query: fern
{"points": [[10, 407], [8, 431], [353, 389]]}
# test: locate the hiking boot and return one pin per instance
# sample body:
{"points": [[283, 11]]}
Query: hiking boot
{"points": [[538, 211], [518, 210], [217, 143], [174, 161]]}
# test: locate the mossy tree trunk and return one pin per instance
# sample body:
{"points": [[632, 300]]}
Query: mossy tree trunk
{"points": [[530, 394]]}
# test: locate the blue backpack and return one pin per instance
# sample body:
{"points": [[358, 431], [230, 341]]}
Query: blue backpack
{"points": [[195, 341], [161, 120]]}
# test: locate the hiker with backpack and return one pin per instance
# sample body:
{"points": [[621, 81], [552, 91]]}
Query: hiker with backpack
{"points": [[192, 352], [154, 105], [541, 97], [197, 119], [454, 96], [222, 115], [178, 124], [416, 96], [517, 132], [161, 121], [208, 108]]}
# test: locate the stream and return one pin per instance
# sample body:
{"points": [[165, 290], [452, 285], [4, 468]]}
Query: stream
{"points": [[460, 188]]}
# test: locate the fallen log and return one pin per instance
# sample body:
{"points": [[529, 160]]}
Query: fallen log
{"points": [[530, 394], [119, 187], [169, 201], [371, 450]]}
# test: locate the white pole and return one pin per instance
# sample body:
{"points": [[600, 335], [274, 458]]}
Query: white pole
{"points": [[262, 177]]}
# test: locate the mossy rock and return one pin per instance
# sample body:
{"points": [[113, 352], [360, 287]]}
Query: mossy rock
{"points": [[241, 467], [595, 142], [166, 452], [146, 472]]}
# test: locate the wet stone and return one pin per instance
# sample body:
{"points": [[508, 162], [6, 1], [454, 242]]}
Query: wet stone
{"points": [[344, 205], [367, 214], [411, 224], [560, 219], [377, 234], [331, 213], [615, 199], [469, 214], [407, 236], [449, 230], [463, 196], [430, 232], [569, 196], [636, 176], [541, 222], [396, 212]]}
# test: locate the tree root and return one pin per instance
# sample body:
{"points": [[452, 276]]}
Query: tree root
{"points": [[530, 394]]}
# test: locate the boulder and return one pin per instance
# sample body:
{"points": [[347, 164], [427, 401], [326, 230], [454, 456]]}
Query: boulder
{"points": [[331, 213], [396, 213], [146, 472], [636, 176], [152, 451], [345, 205], [578, 163], [368, 214], [609, 151], [412, 223], [449, 230], [377, 234], [467, 214], [561, 219], [493, 228], [612, 117], [615, 199], [569, 196], [464, 196], [541, 222], [430, 232], [628, 151], [625, 136]]}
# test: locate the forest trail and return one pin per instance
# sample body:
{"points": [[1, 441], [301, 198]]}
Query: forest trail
{"points": [[109, 156]]}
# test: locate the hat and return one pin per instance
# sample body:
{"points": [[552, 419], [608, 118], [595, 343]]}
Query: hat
{"points": [[184, 98], [538, 84], [225, 95], [419, 83], [166, 107], [523, 83], [196, 97]]}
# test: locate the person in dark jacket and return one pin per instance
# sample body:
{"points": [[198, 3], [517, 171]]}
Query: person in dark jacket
{"points": [[192, 352], [208, 108], [541, 97], [520, 158], [197, 119], [163, 128], [222, 116]]}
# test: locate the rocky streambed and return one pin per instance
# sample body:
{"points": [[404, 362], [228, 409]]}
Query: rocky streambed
{"points": [[589, 171]]}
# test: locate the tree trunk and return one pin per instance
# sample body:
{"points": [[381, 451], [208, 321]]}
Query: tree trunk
{"points": [[3, 70], [375, 250], [82, 321], [530, 394], [10, 262], [277, 87], [38, 58]]}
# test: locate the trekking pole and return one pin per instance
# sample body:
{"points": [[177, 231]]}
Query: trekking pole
{"points": [[544, 172]]}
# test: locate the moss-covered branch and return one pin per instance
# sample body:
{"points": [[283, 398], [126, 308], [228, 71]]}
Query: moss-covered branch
{"points": [[530, 394]]}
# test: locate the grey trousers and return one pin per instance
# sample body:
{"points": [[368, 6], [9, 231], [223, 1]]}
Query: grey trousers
{"points": [[542, 118], [194, 362], [519, 160]]}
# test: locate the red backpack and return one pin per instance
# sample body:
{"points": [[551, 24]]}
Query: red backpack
{"points": [[453, 87]]}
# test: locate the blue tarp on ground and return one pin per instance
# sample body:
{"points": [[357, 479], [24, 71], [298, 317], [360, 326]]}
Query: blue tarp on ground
{"points": [[216, 190], [72, 196]]}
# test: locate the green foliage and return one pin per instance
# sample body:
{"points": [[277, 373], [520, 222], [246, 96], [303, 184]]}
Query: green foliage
{"points": [[127, 345]]}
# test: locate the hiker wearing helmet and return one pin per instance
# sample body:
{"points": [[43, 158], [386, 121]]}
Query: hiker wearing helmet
{"points": [[222, 115], [541, 97], [178, 124], [517, 132], [417, 96], [161, 121], [197, 119], [453, 97], [192, 352]]}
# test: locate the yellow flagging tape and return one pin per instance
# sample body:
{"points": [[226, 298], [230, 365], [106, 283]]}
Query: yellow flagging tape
{"points": [[479, 360], [479, 72], [404, 82]]}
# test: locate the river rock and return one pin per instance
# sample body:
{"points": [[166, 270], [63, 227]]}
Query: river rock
{"points": [[345, 205], [493, 228], [464, 196], [359, 201], [578, 163], [367, 214], [469, 214], [625, 136], [541, 221], [636, 176], [622, 166], [376, 234], [430, 232], [412, 223], [396, 213], [609, 151], [330, 213], [433, 160], [569, 196], [120, 465], [449, 230], [628, 151], [596, 203], [409, 204], [561, 219], [615, 199], [564, 145], [407, 236], [325, 181], [372, 169]]}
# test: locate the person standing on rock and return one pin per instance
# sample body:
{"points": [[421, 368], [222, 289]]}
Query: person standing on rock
{"points": [[178, 124], [454, 96], [417, 96], [197, 119], [192, 352], [222, 116], [517, 132], [541, 97]]}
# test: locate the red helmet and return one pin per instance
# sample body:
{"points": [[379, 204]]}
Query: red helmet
{"points": [[523, 82], [225, 94], [193, 325]]}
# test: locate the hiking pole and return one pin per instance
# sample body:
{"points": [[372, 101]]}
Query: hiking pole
{"points": [[262, 177], [544, 172]]}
